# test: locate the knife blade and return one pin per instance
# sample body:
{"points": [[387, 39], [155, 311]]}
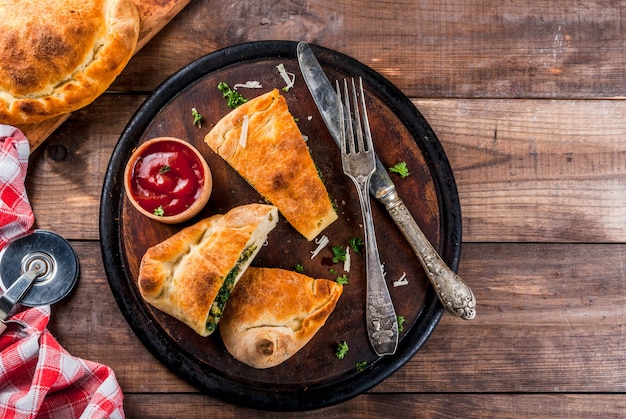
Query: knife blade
{"points": [[457, 298]]}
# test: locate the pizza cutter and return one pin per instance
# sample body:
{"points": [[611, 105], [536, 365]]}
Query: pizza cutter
{"points": [[37, 268]]}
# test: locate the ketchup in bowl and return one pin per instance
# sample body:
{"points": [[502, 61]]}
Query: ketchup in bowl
{"points": [[168, 180]]}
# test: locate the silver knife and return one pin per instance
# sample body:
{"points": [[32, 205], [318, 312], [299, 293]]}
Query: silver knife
{"points": [[453, 293]]}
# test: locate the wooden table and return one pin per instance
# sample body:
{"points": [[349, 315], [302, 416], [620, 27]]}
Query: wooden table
{"points": [[526, 98]]}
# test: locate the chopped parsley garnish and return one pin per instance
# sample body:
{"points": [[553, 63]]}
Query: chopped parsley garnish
{"points": [[401, 169], [356, 244], [298, 268], [332, 271], [342, 350], [164, 169], [339, 254], [400, 320], [197, 117], [159, 212], [234, 98], [360, 366], [343, 280]]}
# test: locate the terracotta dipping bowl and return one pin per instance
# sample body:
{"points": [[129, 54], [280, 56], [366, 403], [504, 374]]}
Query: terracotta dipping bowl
{"points": [[167, 180]]}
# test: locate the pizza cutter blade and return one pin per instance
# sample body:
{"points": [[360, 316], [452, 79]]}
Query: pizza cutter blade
{"points": [[38, 268]]}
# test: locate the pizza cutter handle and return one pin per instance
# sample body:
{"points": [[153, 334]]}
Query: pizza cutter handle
{"points": [[16, 291]]}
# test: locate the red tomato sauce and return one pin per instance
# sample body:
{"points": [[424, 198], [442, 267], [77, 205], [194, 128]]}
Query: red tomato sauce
{"points": [[167, 176]]}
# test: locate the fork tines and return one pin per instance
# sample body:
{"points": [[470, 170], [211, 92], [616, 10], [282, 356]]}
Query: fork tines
{"points": [[354, 103], [357, 150]]}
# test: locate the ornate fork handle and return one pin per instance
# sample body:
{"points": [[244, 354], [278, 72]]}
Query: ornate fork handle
{"points": [[454, 294]]}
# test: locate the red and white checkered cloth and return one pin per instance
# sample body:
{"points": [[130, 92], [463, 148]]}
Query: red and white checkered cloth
{"points": [[38, 378], [16, 216]]}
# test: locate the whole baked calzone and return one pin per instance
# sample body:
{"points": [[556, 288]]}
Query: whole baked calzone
{"points": [[273, 313], [261, 140], [191, 274], [57, 56]]}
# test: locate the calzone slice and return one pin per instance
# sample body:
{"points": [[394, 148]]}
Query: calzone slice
{"points": [[261, 140], [273, 313], [191, 274]]}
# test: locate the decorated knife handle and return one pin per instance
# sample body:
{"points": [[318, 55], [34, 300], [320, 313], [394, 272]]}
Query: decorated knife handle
{"points": [[453, 293]]}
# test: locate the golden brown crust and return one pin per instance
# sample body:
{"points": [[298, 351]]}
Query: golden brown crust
{"points": [[182, 275], [58, 56], [275, 161], [273, 313]]}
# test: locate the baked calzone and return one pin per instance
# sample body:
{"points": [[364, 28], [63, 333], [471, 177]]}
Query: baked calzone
{"points": [[57, 56], [261, 141], [191, 274], [273, 313]]}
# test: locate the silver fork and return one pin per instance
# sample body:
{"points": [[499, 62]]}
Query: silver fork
{"points": [[359, 162]]}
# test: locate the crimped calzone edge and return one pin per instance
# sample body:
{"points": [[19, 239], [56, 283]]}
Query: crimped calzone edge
{"points": [[58, 56], [273, 313], [274, 158], [191, 274]]}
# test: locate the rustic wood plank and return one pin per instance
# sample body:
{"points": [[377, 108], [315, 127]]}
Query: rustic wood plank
{"points": [[446, 405], [155, 14], [536, 170], [526, 170], [38, 133], [540, 177], [65, 176], [557, 327], [482, 49]]}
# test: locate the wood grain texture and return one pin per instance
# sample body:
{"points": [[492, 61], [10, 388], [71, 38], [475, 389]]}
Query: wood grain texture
{"points": [[536, 170], [519, 344], [425, 406], [527, 100], [478, 49], [526, 170]]}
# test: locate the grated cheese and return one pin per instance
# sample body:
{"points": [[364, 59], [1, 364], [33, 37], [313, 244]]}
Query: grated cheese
{"points": [[401, 281], [243, 137], [289, 78], [346, 263], [251, 84], [322, 242]]}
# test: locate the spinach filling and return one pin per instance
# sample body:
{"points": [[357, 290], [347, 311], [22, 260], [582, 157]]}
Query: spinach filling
{"points": [[215, 314]]}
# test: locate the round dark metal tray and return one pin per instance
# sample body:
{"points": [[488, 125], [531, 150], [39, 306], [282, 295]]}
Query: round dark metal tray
{"points": [[314, 377]]}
